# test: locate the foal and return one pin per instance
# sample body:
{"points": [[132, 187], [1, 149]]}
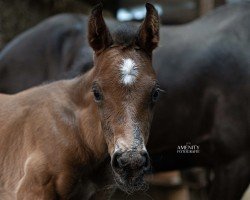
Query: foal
{"points": [[54, 138]]}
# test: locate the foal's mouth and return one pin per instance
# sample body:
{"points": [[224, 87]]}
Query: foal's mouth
{"points": [[129, 168], [131, 184], [131, 180]]}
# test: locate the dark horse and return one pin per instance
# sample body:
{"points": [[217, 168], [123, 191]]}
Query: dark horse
{"points": [[54, 47], [204, 68], [56, 138]]}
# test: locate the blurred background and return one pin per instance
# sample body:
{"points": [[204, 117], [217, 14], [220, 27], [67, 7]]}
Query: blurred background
{"points": [[17, 16]]}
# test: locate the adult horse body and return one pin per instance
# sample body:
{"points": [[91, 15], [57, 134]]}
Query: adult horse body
{"points": [[204, 68], [56, 137], [49, 51]]}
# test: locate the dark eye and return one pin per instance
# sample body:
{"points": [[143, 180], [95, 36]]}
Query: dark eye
{"points": [[155, 95], [97, 94]]}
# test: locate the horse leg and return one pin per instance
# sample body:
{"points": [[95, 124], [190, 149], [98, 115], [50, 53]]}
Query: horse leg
{"points": [[231, 180], [37, 183]]}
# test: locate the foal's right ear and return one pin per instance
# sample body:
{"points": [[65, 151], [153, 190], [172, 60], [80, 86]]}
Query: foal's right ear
{"points": [[148, 36], [98, 34]]}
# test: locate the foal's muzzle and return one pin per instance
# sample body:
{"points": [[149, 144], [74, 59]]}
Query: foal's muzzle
{"points": [[130, 161], [129, 168]]}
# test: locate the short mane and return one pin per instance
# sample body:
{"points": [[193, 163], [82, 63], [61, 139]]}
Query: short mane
{"points": [[124, 34]]}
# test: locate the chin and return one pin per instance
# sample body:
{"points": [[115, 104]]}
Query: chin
{"points": [[131, 185]]}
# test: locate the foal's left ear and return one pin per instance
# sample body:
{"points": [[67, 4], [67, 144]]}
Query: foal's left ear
{"points": [[99, 36], [148, 36]]}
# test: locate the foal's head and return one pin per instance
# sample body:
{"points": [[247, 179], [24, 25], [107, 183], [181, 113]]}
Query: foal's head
{"points": [[125, 91]]}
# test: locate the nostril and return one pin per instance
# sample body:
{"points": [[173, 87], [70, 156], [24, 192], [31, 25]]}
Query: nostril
{"points": [[115, 157], [145, 161], [116, 160], [122, 162]]}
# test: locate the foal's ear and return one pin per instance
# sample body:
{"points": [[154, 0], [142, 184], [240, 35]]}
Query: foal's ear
{"points": [[148, 36], [98, 34]]}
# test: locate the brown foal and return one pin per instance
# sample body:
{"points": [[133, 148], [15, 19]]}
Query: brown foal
{"points": [[55, 138]]}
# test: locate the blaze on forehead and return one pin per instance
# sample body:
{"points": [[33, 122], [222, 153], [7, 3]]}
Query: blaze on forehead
{"points": [[125, 66], [129, 71], [123, 69]]}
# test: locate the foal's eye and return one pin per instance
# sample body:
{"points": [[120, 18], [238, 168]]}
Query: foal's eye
{"points": [[155, 94], [97, 94]]}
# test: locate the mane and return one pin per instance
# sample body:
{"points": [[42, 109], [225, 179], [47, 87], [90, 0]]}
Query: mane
{"points": [[124, 34]]}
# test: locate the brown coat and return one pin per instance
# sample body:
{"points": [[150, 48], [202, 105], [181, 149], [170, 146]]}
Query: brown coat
{"points": [[42, 132]]}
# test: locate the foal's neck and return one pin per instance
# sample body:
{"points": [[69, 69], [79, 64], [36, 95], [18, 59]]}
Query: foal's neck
{"points": [[90, 130]]}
